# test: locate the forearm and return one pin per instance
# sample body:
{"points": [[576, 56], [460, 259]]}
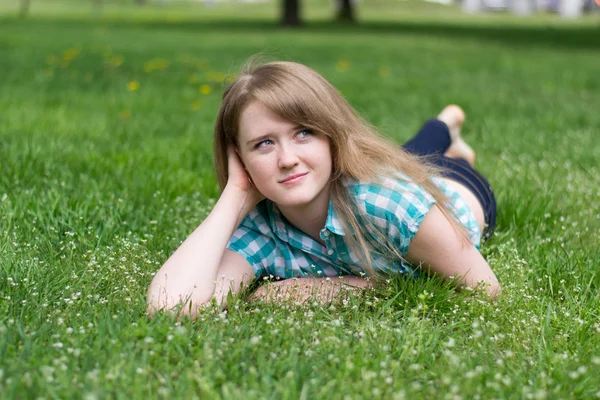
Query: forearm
{"points": [[190, 273], [322, 290]]}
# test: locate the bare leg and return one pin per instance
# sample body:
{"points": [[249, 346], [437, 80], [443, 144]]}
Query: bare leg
{"points": [[454, 117]]}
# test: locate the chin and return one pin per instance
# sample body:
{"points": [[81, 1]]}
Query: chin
{"points": [[293, 202]]}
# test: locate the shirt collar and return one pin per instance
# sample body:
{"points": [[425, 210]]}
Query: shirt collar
{"points": [[276, 219], [283, 229], [333, 222]]}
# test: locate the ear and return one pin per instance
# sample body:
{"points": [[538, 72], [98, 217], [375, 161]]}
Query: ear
{"points": [[237, 151]]}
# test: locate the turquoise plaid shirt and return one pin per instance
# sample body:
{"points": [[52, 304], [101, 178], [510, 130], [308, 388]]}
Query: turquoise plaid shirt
{"points": [[397, 207]]}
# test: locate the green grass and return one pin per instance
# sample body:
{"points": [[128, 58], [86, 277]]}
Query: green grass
{"points": [[99, 185]]}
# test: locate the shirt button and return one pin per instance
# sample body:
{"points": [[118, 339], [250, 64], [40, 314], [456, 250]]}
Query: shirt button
{"points": [[329, 252]]}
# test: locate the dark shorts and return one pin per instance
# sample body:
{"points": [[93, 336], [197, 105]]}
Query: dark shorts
{"points": [[460, 171], [432, 141]]}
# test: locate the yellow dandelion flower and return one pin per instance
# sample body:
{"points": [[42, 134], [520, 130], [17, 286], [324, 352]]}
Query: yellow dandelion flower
{"points": [[133, 85], [384, 71], [159, 64], [51, 59], [116, 60], [205, 89], [196, 105], [70, 54], [214, 76], [342, 65]]}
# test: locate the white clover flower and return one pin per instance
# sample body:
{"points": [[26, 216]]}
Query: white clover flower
{"points": [[255, 339], [415, 367], [573, 375]]}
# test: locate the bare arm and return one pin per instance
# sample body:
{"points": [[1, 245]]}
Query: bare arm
{"points": [[188, 277], [322, 290], [439, 247]]}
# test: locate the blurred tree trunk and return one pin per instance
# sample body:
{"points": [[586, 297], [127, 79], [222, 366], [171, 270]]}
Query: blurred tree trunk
{"points": [[24, 8], [291, 13], [345, 11]]}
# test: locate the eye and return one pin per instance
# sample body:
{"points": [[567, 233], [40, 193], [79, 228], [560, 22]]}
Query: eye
{"points": [[263, 144], [304, 133]]}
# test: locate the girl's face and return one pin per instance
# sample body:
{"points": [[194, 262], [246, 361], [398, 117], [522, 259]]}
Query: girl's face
{"points": [[289, 165]]}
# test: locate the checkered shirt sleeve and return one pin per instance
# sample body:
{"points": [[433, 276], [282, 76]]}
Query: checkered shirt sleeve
{"points": [[252, 239], [396, 208]]}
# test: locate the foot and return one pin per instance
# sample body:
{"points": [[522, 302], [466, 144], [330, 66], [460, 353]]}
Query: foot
{"points": [[454, 117], [460, 149]]}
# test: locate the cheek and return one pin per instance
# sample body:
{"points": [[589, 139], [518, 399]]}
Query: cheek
{"points": [[323, 156], [258, 168]]}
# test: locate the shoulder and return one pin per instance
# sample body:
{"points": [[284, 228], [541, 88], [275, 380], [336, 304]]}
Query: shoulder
{"points": [[396, 198], [394, 206]]}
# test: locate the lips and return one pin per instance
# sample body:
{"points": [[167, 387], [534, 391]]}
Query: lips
{"points": [[292, 177]]}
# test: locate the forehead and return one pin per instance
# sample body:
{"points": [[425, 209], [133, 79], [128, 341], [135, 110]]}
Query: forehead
{"points": [[257, 119]]}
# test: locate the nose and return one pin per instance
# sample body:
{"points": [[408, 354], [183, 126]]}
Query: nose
{"points": [[287, 157]]}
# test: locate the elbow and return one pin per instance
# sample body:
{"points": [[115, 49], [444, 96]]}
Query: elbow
{"points": [[491, 289], [180, 305], [494, 290], [180, 308]]}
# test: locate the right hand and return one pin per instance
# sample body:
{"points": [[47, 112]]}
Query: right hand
{"points": [[239, 178]]}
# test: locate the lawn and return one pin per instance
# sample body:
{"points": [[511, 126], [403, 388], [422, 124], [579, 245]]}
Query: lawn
{"points": [[105, 167]]}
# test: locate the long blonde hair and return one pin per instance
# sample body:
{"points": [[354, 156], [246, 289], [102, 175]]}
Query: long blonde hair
{"points": [[300, 95]]}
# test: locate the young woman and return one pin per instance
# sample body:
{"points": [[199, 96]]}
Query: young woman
{"points": [[312, 191]]}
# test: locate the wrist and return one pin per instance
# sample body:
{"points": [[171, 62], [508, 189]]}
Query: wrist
{"points": [[242, 200]]}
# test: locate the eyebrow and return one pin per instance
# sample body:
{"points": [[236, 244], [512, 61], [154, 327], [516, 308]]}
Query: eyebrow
{"points": [[263, 137]]}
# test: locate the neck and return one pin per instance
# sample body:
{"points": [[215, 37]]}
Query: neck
{"points": [[309, 218]]}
